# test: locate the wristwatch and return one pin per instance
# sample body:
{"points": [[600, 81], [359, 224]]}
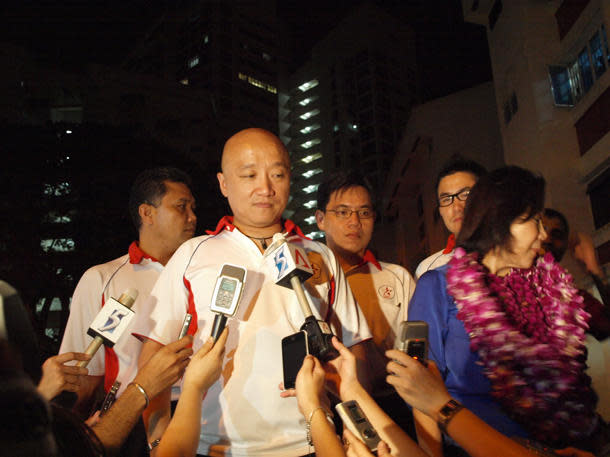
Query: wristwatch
{"points": [[447, 412]]}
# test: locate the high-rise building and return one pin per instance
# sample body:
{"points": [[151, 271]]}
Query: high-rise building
{"points": [[228, 48], [347, 105], [550, 63]]}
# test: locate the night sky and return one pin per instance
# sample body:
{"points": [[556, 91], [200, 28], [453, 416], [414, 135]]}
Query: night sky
{"points": [[451, 55]]}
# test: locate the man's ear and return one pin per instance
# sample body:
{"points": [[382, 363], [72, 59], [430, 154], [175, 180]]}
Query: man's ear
{"points": [[146, 212], [320, 219], [222, 183]]}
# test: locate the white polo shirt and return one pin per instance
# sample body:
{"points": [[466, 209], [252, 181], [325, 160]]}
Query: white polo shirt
{"points": [[243, 413], [438, 259], [383, 291], [133, 270]]}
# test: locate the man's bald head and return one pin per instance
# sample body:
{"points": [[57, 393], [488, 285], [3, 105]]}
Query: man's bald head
{"points": [[249, 139], [255, 178]]}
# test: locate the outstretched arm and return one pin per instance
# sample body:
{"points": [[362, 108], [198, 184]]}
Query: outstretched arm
{"points": [[182, 435], [157, 375]]}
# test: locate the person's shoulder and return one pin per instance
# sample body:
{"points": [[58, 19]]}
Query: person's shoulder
{"points": [[107, 268], [398, 270]]}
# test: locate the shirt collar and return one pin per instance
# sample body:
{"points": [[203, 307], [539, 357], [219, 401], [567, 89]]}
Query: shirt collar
{"points": [[450, 244], [290, 228], [368, 257], [136, 254]]}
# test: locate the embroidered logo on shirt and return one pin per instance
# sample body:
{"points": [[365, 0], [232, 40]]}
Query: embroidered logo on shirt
{"points": [[386, 291]]}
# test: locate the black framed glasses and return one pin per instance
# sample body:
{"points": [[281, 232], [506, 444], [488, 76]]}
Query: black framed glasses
{"points": [[447, 200], [346, 213]]}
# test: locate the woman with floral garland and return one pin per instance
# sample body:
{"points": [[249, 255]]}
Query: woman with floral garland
{"points": [[506, 334]]}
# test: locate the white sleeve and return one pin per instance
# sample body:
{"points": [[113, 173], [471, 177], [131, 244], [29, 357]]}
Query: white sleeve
{"points": [[347, 320], [167, 304], [85, 305]]}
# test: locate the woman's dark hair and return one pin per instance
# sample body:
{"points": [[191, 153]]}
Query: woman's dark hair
{"points": [[496, 200]]}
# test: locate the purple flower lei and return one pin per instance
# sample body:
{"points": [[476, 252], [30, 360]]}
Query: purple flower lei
{"points": [[528, 328]]}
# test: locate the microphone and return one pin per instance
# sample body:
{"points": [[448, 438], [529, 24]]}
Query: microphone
{"points": [[110, 323], [290, 265], [226, 296]]}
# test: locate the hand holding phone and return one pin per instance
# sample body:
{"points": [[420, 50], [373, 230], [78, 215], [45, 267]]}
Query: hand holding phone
{"points": [[294, 350], [412, 339]]}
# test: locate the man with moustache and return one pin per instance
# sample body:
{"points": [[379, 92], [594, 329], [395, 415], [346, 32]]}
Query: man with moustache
{"points": [[453, 185], [161, 206], [243, 413]]}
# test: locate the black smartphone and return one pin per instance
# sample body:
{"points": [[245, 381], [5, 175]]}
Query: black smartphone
{"points": [[294, 350], [412, 339]]}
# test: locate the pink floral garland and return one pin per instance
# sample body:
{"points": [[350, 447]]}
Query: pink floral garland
{"points": [[528, 328]]}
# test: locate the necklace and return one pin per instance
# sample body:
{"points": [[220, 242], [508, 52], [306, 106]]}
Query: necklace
{"points": [[261, 240], [528, 329]]}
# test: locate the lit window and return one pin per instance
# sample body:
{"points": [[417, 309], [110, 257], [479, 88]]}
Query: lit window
{"points": [[308, 85], [311, 158], [309, 114], [57, 244], [55, 217], [307, 101], [310, 173], [310, 143], [311, 188], [206, 39], [315, 235], [193, 62], [310, 204], [336, 128], [257, 83], [56, 190], [309, 128], [184, 82], [310, 220], [55, 304], [266, 57]]}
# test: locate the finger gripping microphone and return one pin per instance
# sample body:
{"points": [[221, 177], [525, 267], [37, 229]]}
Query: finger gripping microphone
{"points": [[290, 266], [110, 323], [226, 296]]}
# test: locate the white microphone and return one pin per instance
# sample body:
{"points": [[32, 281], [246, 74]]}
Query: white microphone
{"points": [[110, 323], [290, 265], [226, 296]]}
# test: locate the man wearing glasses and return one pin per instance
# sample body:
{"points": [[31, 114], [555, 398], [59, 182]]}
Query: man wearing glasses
{"points": [[346, 215], [453, 186]]}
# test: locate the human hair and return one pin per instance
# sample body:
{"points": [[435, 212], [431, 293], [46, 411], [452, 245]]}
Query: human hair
{"points": [[458, 163], [341, 180], [149, 187], [495, 201], [554, 214]]}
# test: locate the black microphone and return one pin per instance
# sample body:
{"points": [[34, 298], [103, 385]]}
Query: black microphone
{"points": [[226, 296], [289, 265], [110, 323]]}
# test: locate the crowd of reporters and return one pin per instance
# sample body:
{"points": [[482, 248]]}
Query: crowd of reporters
{"points": [[35, 424]]}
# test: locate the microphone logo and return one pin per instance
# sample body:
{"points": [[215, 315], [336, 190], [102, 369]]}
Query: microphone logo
{"points": [[112, 322], [281, 262]]}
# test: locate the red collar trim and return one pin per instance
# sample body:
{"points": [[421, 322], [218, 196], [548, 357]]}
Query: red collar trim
{"points": [[136, 254], [450, 244], [227, 222], [370, 257]]}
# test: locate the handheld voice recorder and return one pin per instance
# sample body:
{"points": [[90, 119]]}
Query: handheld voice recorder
{"points": [[357, 423]]}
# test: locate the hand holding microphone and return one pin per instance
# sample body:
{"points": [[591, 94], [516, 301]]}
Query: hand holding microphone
{"points": [[290, 265], [110, 323], [226, 296]]}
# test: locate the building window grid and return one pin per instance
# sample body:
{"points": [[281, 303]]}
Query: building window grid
{"points": [[569, 83]]}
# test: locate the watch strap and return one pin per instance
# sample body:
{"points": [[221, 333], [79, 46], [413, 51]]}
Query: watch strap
{"points": [[447, 413]]}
